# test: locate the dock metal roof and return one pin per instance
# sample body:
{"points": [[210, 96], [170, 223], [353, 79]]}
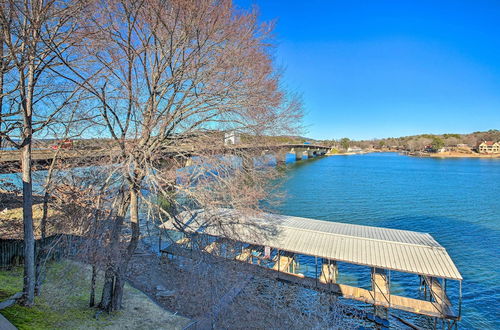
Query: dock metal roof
{"points": [[399, 250]]}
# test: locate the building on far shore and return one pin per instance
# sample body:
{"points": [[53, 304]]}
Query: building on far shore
{"points": [[354, 149], [489, 147], [231, 138]]}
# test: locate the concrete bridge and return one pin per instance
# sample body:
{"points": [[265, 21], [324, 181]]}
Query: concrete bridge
{"points": [[10, 160]]}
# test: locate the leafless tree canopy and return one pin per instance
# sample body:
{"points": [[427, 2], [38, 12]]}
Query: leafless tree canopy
{"points": [[161, 82], [32, 98]]}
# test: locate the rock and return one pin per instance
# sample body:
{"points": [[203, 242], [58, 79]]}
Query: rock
{"points": [[161, 288], [11, 300]]}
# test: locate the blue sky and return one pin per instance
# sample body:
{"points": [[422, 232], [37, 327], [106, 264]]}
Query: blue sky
{"points": [[373, 69]]}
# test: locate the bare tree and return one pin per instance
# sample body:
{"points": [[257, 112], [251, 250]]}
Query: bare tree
{"points": [[32, 99], [168, 76]]}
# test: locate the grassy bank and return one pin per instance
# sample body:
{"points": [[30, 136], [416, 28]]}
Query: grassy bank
{"points": [[63, 303]]}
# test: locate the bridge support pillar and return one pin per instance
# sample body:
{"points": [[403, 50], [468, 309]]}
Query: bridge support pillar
{"points": [[310, 153], [282, 157], [297, 152]]}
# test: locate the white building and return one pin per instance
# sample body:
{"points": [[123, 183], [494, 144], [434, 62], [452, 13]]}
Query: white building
{"points": [[231, 138], [354, 149]]}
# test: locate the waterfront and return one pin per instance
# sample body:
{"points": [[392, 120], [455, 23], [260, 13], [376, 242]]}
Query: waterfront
{"points": [[455, 200]]}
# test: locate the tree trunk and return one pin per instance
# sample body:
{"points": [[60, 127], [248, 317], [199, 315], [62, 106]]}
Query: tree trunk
{"points": [[107, 290], [115, 259], [115, 274], [116, 302], [29, 238], [134, 222], [92, 286]]}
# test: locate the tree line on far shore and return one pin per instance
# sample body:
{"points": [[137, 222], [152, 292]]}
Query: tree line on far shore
{"points": [[420, 142]]}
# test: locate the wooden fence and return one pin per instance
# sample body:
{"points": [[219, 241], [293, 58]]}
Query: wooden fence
{"points": [[56, 246]]}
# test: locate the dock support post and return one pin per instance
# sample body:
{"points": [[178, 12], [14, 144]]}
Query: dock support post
{"points": [[381, 291], [329, 271], [389, 286], [279, 263], [316, 277], [460, 300]]}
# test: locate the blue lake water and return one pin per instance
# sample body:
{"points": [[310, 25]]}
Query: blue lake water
{"points": [[457, 201]]}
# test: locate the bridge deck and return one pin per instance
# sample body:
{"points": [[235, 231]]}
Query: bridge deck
{"points": [[10, 159]]}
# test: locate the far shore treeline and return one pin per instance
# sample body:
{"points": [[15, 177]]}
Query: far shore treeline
{"points": [[419, 142]]}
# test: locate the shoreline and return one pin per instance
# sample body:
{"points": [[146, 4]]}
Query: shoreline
{"points": [[457, 155], [425, 155]]}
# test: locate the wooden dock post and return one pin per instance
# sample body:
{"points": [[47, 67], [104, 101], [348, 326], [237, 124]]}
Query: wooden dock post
{"points": [[284, 262], [381, 292], [329, 272]]}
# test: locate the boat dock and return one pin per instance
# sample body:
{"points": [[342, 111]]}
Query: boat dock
{"points": [[382, 250]]}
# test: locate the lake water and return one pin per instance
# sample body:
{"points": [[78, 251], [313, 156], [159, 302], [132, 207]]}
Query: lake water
{"points": [[457, 201]]}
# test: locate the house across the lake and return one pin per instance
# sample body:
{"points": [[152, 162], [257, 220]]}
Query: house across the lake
{"points": [[489, 147], [354, 149]]}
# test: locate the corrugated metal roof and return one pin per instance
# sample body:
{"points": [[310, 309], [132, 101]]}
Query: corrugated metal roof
{"points": [[400, 250]]}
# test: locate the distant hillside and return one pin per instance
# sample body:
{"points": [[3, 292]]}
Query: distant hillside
{"points": [[418, 142]]}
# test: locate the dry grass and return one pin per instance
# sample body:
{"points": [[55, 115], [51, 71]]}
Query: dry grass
{"points": [[11, 222]]}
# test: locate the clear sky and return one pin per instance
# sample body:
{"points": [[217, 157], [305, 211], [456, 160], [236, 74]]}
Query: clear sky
{"points": [[373, 69]]}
